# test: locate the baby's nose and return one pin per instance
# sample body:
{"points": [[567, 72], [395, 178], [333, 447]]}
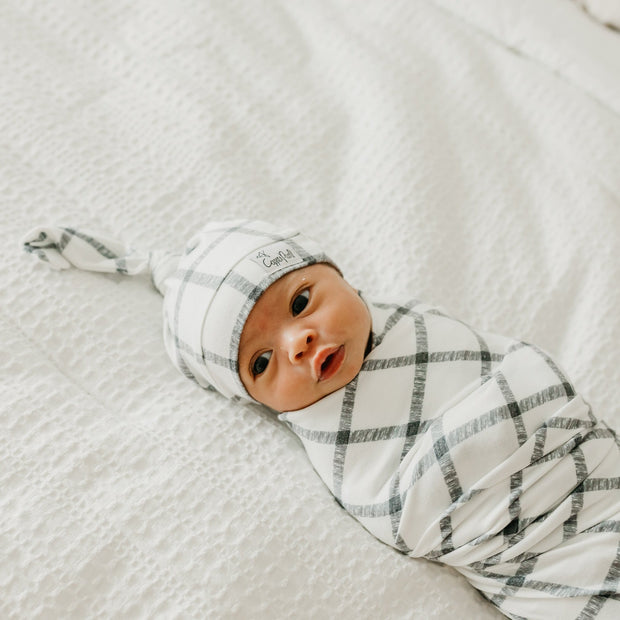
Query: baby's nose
{"points": [[299, 344]]}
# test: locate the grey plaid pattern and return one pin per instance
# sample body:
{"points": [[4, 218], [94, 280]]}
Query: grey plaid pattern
{"points": [[474, 450], [63, 247]]}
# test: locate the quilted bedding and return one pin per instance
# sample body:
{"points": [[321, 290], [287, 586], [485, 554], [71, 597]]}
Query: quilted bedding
{"points": [[465, 153]]}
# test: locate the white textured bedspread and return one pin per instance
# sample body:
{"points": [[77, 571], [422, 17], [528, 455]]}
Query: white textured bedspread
{"points": [[463, 153]]}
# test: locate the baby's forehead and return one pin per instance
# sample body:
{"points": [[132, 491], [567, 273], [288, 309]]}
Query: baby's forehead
{"points": [[282, 290], [315, 272], [290, 283]]}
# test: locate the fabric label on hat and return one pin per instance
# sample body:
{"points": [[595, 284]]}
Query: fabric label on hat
{"points": [[276, 256]]}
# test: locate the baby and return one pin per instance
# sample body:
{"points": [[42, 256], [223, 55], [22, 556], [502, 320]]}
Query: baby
{"points": [[305, 338], [466, 448]]}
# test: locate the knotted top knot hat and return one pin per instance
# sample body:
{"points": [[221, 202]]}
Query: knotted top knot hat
{"points": [[209, 289]]}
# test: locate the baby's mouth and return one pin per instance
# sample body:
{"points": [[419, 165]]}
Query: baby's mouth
{"points": [[328, 362]]}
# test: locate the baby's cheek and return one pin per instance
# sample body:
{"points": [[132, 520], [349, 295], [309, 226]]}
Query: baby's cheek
{"points": [[292, 393], [289, 390]]}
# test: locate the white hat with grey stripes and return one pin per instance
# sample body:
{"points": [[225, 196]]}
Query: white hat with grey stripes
{"points": [[209, 289]]}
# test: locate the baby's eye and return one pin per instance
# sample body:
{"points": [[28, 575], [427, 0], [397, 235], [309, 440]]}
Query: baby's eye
{"points": [[300, 302], [260, 363]]}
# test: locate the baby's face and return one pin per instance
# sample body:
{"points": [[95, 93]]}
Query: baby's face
{"points": [[305, 338]]}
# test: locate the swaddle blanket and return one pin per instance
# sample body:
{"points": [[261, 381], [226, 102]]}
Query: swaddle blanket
{"points": [[475, 450]]}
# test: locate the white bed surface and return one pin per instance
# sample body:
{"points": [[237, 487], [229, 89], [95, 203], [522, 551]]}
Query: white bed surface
{"points": [[458, 155]]}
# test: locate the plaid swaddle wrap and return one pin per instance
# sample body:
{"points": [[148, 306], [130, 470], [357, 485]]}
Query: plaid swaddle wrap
{"points": [[209, 289], [474, 450]]}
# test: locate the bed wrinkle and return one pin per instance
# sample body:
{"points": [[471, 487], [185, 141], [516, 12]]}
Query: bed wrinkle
{"points": [[507, 36], [50, 359], [170, 443]]}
